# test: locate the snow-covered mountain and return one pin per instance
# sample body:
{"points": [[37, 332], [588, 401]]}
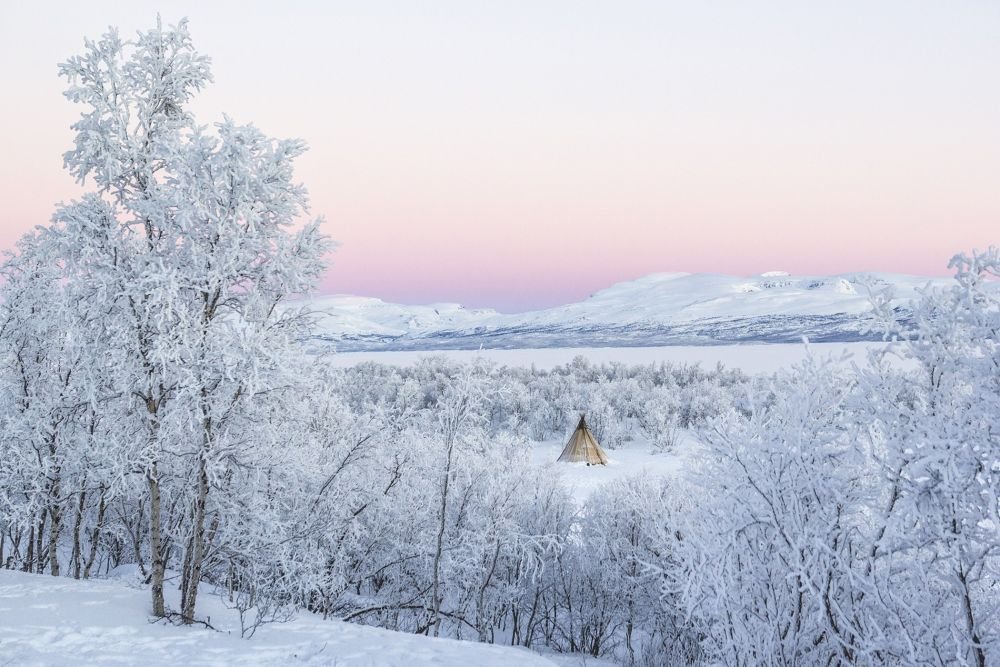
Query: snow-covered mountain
{"points": [[659, 309]]}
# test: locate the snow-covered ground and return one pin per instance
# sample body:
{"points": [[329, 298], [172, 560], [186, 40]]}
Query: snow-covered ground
{"points": [[636, 457], [56, 621], [763, 358]]}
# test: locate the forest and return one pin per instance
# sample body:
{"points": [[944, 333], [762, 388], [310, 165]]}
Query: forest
{"points": [[160, 411]]}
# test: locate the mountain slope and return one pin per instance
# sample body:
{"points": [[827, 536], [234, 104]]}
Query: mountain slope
{"points": [[659, 309]]}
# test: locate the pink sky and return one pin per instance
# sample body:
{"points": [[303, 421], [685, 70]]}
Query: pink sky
{"points": [[517, 156]]}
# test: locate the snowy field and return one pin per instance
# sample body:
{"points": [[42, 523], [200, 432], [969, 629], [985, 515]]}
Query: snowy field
{"points": [[56, 621], [764, 358]]}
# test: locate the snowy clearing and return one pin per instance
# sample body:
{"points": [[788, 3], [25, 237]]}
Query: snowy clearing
{"points": [[636, 457], [53, 621]]}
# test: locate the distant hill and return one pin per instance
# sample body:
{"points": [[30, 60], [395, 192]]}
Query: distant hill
{"points": [[659, 309]]}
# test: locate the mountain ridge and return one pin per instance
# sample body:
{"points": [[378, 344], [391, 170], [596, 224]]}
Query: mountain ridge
{"points": [[657, 309]]}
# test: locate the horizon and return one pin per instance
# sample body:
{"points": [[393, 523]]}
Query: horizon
{"points": [[608, 144], [945, 277]]}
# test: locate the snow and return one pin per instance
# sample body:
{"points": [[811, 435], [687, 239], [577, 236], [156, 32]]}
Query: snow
{"points": [[53, 621], [636, 457], [763, 358], [371, 316], [675, 303]]}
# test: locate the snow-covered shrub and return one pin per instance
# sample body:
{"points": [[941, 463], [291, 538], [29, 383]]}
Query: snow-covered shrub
{"points": [[659, 418]]}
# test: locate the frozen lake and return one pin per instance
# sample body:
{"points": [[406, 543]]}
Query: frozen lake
{"points": [[762, 358]]}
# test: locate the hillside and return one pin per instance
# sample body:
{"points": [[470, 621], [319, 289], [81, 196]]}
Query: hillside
{"points": [[660, 309], [60, 621]]}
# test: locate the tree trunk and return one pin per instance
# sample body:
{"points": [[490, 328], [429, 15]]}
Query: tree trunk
{"points": [[970, 618], [481, 600], [29, 557], [40, 543], [156, 543], [77, 524], [55, 515], [435, 588], [186, 570], [55, 512], [95, 536], [198, 532], [197, 546], [15, 548]]}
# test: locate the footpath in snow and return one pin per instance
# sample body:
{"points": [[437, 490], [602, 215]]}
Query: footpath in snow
{"points": [[55, 621]]}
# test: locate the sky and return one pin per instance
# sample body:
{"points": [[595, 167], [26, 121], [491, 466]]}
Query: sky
{"points": [[525, 154]]}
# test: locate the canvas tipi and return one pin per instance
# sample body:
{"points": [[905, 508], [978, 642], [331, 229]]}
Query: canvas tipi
{"points": [[583, 447]]}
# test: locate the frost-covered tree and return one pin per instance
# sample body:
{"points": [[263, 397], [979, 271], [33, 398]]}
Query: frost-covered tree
{"points": [[934, 430], [658, 417], [772, 552], [39, 413], [187, 246], [851, 516]]}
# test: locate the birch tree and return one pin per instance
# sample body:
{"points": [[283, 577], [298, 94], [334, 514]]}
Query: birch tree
{"points": [[188, 245]]}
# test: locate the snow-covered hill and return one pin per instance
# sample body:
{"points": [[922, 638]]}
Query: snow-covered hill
{"points": [[660, 309], [54, 621]]}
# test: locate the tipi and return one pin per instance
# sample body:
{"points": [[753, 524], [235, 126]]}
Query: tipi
{"points": [[582, 446]]}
